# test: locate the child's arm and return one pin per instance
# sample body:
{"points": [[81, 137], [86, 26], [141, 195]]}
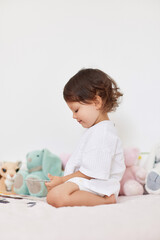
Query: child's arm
{"points": [[76, 174], [56, 180]]}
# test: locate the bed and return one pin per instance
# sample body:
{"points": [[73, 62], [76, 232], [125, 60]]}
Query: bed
{"points": [[133, 218]]}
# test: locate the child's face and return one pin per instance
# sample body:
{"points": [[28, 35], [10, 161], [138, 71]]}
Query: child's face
{"points": [[86, 114]]}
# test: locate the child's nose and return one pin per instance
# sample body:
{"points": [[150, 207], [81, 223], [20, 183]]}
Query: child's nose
{"points": [[74, 116]]}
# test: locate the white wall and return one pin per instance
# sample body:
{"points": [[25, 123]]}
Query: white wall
{"points": [[44, 42]]}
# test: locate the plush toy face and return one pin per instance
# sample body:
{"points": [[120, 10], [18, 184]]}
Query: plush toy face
{"points": [[34, 160], [131, 156], [8, 170]]}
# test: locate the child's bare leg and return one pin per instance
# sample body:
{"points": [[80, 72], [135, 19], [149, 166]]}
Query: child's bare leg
{"points": [[84, 198], [68, 194]]}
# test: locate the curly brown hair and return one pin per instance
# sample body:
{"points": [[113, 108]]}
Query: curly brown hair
{"points": [[87, 84]]}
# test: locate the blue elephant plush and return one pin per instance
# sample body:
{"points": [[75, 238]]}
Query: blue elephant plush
{"points": [[39, 164]]}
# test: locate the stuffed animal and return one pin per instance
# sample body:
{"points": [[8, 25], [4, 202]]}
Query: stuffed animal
{"points": [[152, 184], [8, 172], [64, 158], [134, 176], [32, 180]]}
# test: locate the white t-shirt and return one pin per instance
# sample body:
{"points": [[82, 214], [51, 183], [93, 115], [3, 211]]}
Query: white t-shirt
{"points": [[99, 155]]}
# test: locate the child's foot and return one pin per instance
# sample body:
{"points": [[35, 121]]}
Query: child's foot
{"points": [[110, 200]]}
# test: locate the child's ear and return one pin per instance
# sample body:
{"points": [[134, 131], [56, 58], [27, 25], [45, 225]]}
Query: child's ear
{"points": [[98, 102]]}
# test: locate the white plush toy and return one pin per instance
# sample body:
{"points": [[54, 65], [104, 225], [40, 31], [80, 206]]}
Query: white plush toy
{"points": [[152, 183]]}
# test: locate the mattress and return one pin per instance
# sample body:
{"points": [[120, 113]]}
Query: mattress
{"points": [[133, 218]]}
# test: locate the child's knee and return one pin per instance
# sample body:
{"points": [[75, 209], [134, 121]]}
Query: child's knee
{"points": [[52, 198], [56, 199]]}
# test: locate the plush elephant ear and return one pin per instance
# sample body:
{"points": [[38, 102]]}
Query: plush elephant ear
{"points": [[51, 164]]}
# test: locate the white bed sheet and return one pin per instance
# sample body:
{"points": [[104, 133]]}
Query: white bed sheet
{"points": [[131, 218]]}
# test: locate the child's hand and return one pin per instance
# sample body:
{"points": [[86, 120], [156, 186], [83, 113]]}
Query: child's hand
{"points": [[55, 180]]}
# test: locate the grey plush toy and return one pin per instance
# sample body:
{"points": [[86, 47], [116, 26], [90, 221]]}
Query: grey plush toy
{"points": [[153, 177]]}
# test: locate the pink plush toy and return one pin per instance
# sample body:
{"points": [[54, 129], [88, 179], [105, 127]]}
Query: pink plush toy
{"points": [[134, 177], [64, 158]]}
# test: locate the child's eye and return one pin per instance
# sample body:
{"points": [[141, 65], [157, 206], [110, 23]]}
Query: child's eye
{"points": [[76, 111], [4, 170]]}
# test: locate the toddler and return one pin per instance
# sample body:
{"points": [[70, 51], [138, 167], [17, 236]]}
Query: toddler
{"points": [[93, 172]]}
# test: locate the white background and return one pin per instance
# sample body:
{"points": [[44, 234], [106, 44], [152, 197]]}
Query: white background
{"points": [[44, 42]]}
